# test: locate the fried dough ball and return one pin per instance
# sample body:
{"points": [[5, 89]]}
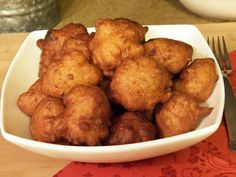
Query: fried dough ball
{"points": [[87, 115], [28, 101], [64, 74], [140, 84], [131, 127], [179, 115], [172, 54], [59, 41], [78, 44], [198, 79], [47, 123], [115, 41], [73, 55]]}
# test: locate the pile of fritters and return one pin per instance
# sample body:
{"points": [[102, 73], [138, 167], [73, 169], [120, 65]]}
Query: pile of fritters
{"points": [[113, 87]]}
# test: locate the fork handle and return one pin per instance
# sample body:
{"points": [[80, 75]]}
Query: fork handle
{"points": [[230, 110]]}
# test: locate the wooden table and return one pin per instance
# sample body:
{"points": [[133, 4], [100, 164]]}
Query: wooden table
{"points": [[15, 161]]}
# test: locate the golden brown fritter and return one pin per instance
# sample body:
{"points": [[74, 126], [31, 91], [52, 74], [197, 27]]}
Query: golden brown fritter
{"points": [[179, 115], [140, 84], [172, 54], [198, 79], [78, 44], [115, 41], [55, 38], [131, 127], [64, 74], [73, 55], [59, 41], [47, 123], [137, 77], [87, 115], [28, 101]]}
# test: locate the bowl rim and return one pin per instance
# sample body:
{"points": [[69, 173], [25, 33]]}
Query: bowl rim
{"points": [[104, 149]]}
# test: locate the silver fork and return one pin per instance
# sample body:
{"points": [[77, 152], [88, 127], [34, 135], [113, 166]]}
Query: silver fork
{"points": [[220, 51]]}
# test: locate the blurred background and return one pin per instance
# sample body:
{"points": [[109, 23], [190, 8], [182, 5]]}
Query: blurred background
{"points": [[143, 11], [29, 15]]}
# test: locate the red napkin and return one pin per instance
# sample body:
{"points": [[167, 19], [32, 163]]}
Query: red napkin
{"points": [[211, 157]]}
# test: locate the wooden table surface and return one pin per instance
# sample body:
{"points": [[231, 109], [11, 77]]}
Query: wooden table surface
{"points": [[15, 161]]}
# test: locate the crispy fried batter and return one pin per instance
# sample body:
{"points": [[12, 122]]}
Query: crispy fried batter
{"points": [[28, 101], [87, 115], [131, 127], [140, 84], [115, 41], [137, 77], [179, 115], [172, 54], [64, 74], [47, 123], [60, 41], [198, 80], [78, 44]]}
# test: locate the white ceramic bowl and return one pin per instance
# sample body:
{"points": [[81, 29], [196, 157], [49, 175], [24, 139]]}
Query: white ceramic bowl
{"points": [[220, 9], [23, 72]]}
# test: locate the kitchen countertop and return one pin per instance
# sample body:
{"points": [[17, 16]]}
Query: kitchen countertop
{"points": [[145, 12]]}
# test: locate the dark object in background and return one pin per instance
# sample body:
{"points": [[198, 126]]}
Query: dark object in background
{"points": [[28, 15]]}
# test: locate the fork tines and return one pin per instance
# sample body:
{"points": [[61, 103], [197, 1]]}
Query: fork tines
{"points": [[221, 53], [232, 145]]}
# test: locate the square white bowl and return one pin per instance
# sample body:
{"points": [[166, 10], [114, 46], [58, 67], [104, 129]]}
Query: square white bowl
{"points": [[23, 72]]}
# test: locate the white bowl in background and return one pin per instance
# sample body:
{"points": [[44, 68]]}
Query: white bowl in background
{"points": [[220, 9], [23, 72]]}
